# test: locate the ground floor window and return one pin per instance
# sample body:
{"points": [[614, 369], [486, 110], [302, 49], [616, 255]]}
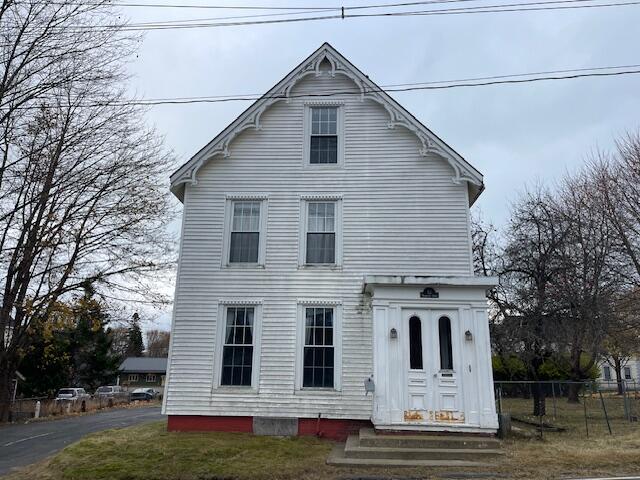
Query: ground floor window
{"points": [[237, 350], [627, 373], [133, 377], [150, 378], [318, 364], [607, 373]]}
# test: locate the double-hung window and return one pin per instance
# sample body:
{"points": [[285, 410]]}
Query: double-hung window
{"points": [[321, 233], [244, 245], [323, 148], [318, 350], [238, 345], [627, 373]]}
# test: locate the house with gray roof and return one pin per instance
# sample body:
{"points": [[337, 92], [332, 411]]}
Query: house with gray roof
{"points": [[139, 372]]}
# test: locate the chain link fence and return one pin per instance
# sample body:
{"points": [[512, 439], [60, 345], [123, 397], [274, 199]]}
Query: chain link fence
{"points": [[581, 408]]}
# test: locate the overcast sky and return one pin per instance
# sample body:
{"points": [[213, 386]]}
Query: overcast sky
{"points": [[514, 134]]}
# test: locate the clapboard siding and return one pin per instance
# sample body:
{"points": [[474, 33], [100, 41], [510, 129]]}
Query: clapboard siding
{"points": [[402, 215]]}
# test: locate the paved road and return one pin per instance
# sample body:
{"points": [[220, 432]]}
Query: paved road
{"points": [[22, 445]]}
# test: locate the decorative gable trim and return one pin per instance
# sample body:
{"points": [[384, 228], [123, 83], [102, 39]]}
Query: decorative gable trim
{"points": [[430, 144]]}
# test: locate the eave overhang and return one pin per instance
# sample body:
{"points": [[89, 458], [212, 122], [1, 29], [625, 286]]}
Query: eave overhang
{"points": [[430, 144]]}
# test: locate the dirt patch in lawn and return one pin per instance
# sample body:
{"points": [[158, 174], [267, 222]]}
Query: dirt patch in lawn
{"points": [[150, 452]]}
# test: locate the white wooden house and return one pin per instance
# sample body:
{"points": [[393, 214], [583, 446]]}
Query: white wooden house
{"points": [[325, 277]]}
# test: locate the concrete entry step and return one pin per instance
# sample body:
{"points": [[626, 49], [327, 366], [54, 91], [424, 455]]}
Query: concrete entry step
{"points": [[370, 438], [337, 457], [369, 448], [354, 449]]}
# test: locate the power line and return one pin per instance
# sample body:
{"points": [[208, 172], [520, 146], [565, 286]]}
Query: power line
{"points": [[494, 8], [255, 7], [433, 85], [347, 15]]}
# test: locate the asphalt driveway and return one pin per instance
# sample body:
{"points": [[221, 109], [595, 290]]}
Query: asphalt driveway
{"points": [[22, 445]]}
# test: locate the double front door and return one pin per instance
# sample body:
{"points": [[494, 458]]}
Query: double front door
{"points": [[430, 345]]}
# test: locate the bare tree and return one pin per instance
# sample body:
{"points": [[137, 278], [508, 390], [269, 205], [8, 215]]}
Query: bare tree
{"points": [[82, 196], [623, 338], [586, 286], [618, 181], [157, 343]]}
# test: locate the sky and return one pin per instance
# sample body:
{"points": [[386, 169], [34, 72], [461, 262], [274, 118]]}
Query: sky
{"points": [[514, 134]]}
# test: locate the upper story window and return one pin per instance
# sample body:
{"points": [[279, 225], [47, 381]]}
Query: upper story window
{"points": [[245, 232], [245, 228], [321, 232], [324, 135]]}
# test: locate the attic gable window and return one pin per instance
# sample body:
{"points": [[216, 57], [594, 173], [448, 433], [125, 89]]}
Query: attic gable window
{"points": [[324, 135]]}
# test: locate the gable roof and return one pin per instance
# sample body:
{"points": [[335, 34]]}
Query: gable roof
{"points": [[431, 144], [144, 365]]}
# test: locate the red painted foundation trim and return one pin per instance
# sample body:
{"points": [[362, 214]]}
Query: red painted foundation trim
{"points": [[331, 428], [203, 423]]}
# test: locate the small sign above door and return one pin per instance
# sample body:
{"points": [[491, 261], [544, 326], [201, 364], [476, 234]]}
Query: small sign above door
{"points": [[429, 293]]}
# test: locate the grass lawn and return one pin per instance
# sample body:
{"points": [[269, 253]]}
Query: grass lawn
{"points": [[150, 452]]}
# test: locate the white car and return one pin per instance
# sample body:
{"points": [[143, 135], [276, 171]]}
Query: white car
{"points": [[73, 395]]}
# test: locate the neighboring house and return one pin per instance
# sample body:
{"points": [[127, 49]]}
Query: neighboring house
{"points": [[630, 374], [325, 278], [137, 372]]}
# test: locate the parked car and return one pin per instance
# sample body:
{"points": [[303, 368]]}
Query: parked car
{"points": [[73, 395], [146, 394], [111, 395]]}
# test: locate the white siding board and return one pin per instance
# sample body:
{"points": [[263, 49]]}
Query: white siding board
{"points": [[402, 215]]}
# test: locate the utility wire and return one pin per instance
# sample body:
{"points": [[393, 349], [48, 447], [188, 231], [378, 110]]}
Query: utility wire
{"points": [[494, 8], [439, 85], [254, 7], [323, 10]]}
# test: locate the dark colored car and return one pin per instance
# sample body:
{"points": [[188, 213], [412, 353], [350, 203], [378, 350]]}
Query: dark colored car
{"points": [[146, 394]]}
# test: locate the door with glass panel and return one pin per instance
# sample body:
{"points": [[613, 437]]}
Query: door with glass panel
{"points": [[432, 374]]}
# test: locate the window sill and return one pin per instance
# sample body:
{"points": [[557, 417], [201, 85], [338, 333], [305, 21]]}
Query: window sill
{"points": [[318, 392], [243, 266], [320, 266], [229, 389]]}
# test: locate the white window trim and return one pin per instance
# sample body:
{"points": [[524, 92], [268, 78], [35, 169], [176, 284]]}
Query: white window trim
{"points": [[151, 376], [302, 239], [219, 344], [228, 219], [337, 346], [306, 161], [133, 377]]}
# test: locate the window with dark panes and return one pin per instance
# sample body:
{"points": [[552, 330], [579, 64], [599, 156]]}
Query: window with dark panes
{"points": [[318, 348], [627, 373], [321, 232], [237, 350], [607, 373], [245, 232], [324, 135], [415, 343], [446, 350]]}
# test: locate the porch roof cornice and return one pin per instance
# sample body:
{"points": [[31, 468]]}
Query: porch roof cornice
{"points": [[371, 281]]}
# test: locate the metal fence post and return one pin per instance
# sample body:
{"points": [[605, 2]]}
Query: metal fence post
{"points": [[584, 404], [553, 392], [604, 409]]}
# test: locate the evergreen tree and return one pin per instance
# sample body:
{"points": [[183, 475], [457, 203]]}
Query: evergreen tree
{"points": [[47, 364], [93, 361], [135, 347]]}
